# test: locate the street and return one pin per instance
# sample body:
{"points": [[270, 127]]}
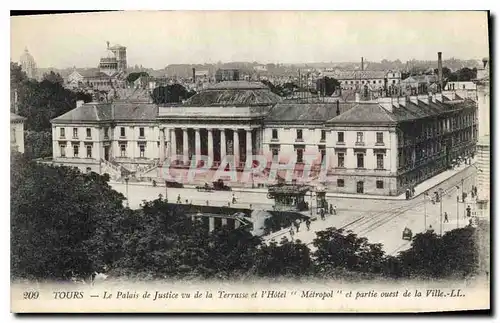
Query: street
{"points": [[381, 221]]}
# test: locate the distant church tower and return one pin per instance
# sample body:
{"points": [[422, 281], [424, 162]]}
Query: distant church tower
{"points": [[28, 64]]}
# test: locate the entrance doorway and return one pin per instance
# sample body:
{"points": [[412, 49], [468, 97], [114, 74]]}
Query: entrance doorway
{"points": [[106, 153], [359, 187]]}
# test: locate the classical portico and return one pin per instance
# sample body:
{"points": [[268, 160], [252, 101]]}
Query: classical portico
{"points": [[184, 142], [223, 120]]}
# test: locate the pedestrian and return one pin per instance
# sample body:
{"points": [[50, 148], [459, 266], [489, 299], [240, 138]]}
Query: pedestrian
{"points": [[468, 211], [234, 199], [322, 213], [331, 209], [412, 191], [458, 199], [335, 210], [207, 202], [228, 204], [308, 224], [297, 225], [445, 217], [179, 198], [291, 233]]}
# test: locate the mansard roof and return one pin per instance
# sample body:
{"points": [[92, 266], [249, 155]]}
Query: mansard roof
{"points": [[364, 112], [108, 112], [306, 112]]}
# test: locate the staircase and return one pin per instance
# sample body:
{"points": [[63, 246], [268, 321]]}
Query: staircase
{"points": [[113, 169], [143, 170]]}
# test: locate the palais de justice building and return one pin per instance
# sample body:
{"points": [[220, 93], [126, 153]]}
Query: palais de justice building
{"points": [[380, 146]]}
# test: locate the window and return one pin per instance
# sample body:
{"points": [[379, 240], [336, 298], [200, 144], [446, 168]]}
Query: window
{"points": [[62, 133], [62, 149], [340, 136], [340, 183], [340, 158], [275, 134], [374, 82], [123, 150], [379, 81], [75, 150], [299, 134], [361, 160], [380, 138], [357, 82], [300, 155], [352, 82], [141, 132], [89, 133], [363, 82], [380, 161], [380, 184], [106, 132], [275, 152], [122, 132], [89, 151], [359, 137], [323, 135], [75, 132], [142, 149], [393, 81]]}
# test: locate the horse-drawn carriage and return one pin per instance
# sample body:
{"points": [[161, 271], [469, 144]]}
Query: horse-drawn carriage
{"points": [[407, 234], [216, 186]]}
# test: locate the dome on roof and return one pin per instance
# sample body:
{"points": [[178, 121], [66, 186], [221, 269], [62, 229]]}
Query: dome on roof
{"points": [[235, 93], [26, 57], [108, 55]]}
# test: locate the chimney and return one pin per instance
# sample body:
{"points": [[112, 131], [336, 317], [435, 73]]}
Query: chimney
{"points": [[362, 64], [440, 71], [338, 107], [79, 103], [194, 75]]}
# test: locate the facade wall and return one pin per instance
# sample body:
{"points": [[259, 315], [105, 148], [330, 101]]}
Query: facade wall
{"points": [[484, 175], [17, 136]]}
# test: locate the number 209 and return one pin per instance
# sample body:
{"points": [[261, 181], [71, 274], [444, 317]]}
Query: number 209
{"points": [[30, 295]]}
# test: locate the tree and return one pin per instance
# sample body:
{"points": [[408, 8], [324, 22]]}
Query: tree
{"points": [[334, 249], [38, 144], [54, 215], [132, 77], [453, 254], [289, 258], [17, 75], [174, 93], [53, 77], [327, 85]]}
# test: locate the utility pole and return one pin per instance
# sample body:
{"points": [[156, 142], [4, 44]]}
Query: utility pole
{"points": [[441, 211], [166, 192], [126, 190]]}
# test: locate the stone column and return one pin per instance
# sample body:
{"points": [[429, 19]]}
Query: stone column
{"points": [[211, 224], [222, 144], [249, 144], [173, 143], [197, 143], [162, 145], [236, 147], [210, 144], [185, 148]]}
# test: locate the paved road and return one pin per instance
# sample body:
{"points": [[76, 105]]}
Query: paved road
{"points": [[381, 221]]}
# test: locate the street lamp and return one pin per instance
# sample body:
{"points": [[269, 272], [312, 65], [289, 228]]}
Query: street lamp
{"points": [[458, 200], [425, 212], [126, 189]]}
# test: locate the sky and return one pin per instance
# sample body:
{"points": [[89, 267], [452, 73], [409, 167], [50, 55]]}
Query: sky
{"points": [[156, 39]]}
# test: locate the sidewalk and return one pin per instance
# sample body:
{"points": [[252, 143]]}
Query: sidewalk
{"points": [[419, 189]]}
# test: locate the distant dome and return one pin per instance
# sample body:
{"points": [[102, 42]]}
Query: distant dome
{"points": [[28, 64], [108, 55], [26, 57]]}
